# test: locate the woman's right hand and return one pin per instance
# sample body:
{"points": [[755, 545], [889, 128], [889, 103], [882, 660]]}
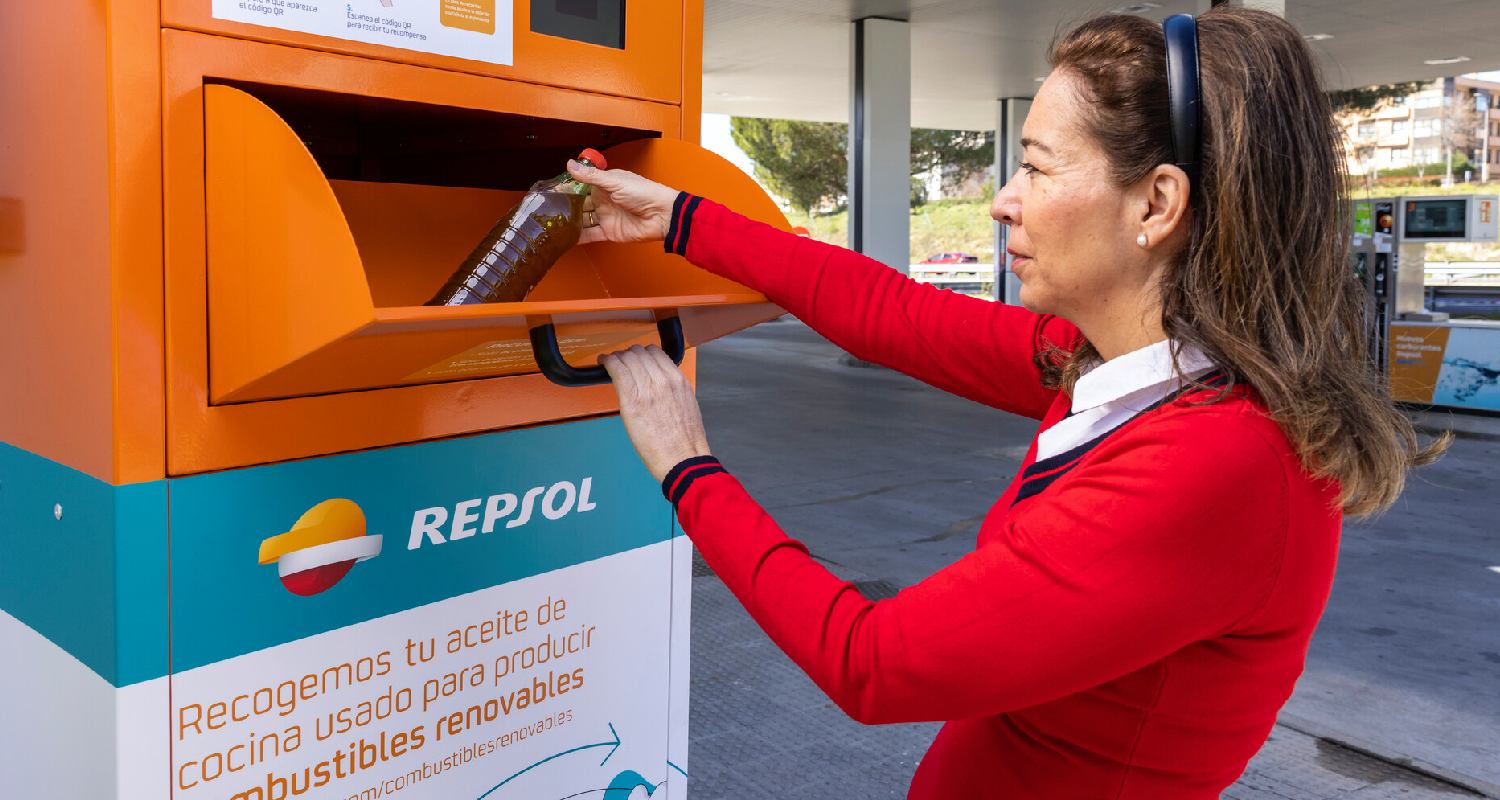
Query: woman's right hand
{"points": [[626, 207]]}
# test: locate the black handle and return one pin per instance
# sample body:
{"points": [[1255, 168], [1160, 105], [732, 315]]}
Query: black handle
{"points": [[550, 358]]}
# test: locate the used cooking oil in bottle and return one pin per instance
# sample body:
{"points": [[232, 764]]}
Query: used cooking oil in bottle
{"points": [[524, 244]]}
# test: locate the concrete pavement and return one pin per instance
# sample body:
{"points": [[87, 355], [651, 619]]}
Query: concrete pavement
{"points": [[887, 480]]}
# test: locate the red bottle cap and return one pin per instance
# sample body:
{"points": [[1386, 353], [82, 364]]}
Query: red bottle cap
{"points": [[594, 157]]}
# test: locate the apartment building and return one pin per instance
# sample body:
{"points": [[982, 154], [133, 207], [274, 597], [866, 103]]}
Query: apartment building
{"points": [[1418, 130]]}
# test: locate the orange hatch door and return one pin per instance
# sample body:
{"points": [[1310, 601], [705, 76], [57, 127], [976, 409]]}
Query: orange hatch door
{"points": [[315, 286]]}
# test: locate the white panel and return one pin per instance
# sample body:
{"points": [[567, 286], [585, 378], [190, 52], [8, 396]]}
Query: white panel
{"points": [[480, 31], [555, 743], [60, 723], [1010, 118], [681, 667], [143, 753], [884, 196]]}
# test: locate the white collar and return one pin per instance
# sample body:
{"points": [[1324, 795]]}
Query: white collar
{"points": [[1137, 370]]}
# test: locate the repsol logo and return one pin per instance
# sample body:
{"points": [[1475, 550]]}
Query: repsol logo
{"points": [[440, 524]]}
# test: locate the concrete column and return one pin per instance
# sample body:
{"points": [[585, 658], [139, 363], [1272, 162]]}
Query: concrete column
{"points": [[1277, 7], [1010, 116], [880, 140]]}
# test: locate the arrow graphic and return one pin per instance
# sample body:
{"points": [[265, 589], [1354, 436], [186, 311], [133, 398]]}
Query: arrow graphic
{"points": [[626, 783], [613, 744]]}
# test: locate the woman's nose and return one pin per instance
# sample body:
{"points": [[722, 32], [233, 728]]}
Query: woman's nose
{"points": [[1006, 208]]}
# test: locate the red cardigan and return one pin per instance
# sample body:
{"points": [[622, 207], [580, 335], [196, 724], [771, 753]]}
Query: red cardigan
{"points": [[1128, 631]]}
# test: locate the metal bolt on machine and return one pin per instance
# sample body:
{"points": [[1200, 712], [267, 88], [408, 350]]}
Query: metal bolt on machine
{"points": [[321, 540]]}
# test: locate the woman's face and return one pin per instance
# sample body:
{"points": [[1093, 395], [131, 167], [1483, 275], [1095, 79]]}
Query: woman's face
{"points": [[1071, 228]]}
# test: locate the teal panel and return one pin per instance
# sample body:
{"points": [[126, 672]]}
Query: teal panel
{"points": [[61, 576], [141, 650], [225, 604]]}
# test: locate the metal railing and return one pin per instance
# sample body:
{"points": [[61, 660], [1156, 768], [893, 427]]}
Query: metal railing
{"points": [[1462, 273]]}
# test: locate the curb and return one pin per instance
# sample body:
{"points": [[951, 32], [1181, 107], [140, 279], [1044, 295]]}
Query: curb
{"points": [[1319, 731], [1475, 425], [858, 363]]}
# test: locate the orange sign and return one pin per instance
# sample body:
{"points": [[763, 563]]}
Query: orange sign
{"points": [[1416, 358], [469, 15]]}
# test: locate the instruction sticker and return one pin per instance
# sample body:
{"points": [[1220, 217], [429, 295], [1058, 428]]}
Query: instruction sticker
{"points": [[514, 355], [480, 30], [1364, 223]]}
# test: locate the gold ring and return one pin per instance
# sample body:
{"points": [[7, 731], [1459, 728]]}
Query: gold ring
{"points": [[593, 220]]}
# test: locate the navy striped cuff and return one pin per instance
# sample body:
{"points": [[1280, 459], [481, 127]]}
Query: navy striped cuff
{"points": [[680, 477], [681, 225]]}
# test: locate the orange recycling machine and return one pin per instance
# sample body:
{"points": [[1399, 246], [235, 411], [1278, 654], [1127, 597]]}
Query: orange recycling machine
{"points": [[271, 528]]}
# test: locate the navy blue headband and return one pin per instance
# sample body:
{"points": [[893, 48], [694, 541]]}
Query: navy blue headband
{"points": [[1183, 89]]}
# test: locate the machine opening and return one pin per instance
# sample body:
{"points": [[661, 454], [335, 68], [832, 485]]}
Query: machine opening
{"points": [[418, 185], [362, 138], [330, 221]]}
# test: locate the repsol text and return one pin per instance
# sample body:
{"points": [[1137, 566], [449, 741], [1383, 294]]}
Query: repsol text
{"points": [[442, 524]]}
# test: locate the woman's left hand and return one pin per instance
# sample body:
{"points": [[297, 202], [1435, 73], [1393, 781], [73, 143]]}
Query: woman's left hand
{"points": [[658, 406]]}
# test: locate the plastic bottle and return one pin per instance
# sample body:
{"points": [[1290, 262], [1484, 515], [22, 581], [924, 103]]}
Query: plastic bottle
{"points": [[524, 244]]}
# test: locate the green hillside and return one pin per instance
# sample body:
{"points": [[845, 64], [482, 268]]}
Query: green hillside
{"points": [[936, 227], [964, 225]]}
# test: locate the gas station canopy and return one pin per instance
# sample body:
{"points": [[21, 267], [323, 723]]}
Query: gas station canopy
{"points": [[790, 58]]}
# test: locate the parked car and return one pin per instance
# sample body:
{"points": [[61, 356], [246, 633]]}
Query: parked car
{"points": [[952, 258]]}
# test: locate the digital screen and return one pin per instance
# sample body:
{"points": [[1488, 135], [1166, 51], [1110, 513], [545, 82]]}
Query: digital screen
{"points": [[594, 21], [1436, 219]]}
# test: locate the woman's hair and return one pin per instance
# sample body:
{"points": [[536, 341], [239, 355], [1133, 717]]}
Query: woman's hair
{"points": [[1264, 286]]}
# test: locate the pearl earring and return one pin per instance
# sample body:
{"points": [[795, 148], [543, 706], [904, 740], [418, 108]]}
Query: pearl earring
{"points": [[1142, 240]]}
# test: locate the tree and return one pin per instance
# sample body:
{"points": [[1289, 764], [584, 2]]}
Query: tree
{"points": [[1460, 128], [1364, 153], [808, 162], [965, 152], [804, 162], [1366, 98]]}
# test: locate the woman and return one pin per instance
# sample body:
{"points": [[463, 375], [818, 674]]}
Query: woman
{"points": [[1141, 597]]}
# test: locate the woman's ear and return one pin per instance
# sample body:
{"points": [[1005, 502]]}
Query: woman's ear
{"points": [[1164, 207]]}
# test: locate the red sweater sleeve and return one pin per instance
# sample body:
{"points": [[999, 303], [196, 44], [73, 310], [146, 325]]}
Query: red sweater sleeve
{"points": [[1159, 542], [970, 347]]}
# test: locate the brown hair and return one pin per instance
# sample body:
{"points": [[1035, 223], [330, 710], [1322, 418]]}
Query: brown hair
{"points": [[1263, 287]]}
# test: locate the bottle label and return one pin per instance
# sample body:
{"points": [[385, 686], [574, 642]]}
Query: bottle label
{"points": [[479, 30]]}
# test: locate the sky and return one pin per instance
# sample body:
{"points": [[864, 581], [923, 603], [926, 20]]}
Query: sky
{"points": [[716, 139]]}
